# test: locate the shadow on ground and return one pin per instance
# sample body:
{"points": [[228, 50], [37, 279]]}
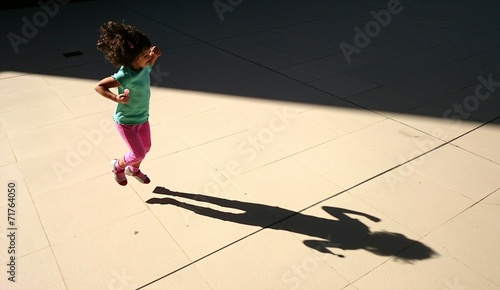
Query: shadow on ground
{"points": [[341, 232], [434, 53]]}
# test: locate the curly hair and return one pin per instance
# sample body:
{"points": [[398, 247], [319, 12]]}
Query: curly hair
{"points": [[121, 43]]}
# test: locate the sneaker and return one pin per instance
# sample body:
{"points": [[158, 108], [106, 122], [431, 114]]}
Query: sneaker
{"points": [[141, 177], [120, 177]]}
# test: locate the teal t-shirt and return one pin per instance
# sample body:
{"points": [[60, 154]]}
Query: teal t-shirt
{"points": [[136, 111]]}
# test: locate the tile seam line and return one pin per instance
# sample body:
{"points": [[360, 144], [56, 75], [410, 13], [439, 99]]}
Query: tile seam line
{"points": [[419, 13], [453, 139], [50, 246], [476, 154], [265, 67], [276, 71], [280, 221], [462, 211], [312, 205], [449, 254], [253, 62], [235, 36]]}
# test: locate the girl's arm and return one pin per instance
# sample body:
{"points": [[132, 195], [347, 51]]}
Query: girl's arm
{"points": [[154, 54], [103, 87]]}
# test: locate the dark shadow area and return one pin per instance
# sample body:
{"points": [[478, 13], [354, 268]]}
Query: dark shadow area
{"points": [[6, 5], [284, 50], [340, 232]]}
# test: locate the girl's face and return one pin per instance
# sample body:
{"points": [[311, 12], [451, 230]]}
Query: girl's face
{"points": [[142, 60]]}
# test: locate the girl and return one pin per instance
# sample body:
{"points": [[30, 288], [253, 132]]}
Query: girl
{"points": [[128, 48]]}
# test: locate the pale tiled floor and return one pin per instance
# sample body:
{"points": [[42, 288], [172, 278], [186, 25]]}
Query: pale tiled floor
{"points": [[276, 163]]}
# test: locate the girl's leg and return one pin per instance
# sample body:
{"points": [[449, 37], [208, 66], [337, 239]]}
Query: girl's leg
{"points": [[131, 137], [136, 154], [137, 165], [121, 163], [138, 139], [144, 133]]}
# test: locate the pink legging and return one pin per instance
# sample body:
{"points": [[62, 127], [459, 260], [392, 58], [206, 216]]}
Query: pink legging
{"points": [[138, 139]]}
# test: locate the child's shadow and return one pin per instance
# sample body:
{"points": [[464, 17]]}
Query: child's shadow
{"points": [[344, 233]]}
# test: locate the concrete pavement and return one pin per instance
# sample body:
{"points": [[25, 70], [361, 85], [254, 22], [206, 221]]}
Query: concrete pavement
{"points": [[296, 145]]}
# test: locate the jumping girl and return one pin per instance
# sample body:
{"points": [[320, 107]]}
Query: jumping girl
{"points": [[131, 51]]}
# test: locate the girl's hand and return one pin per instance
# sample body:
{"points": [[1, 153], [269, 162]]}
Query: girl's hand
{"points": [[155, 52], [122, 98]]}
